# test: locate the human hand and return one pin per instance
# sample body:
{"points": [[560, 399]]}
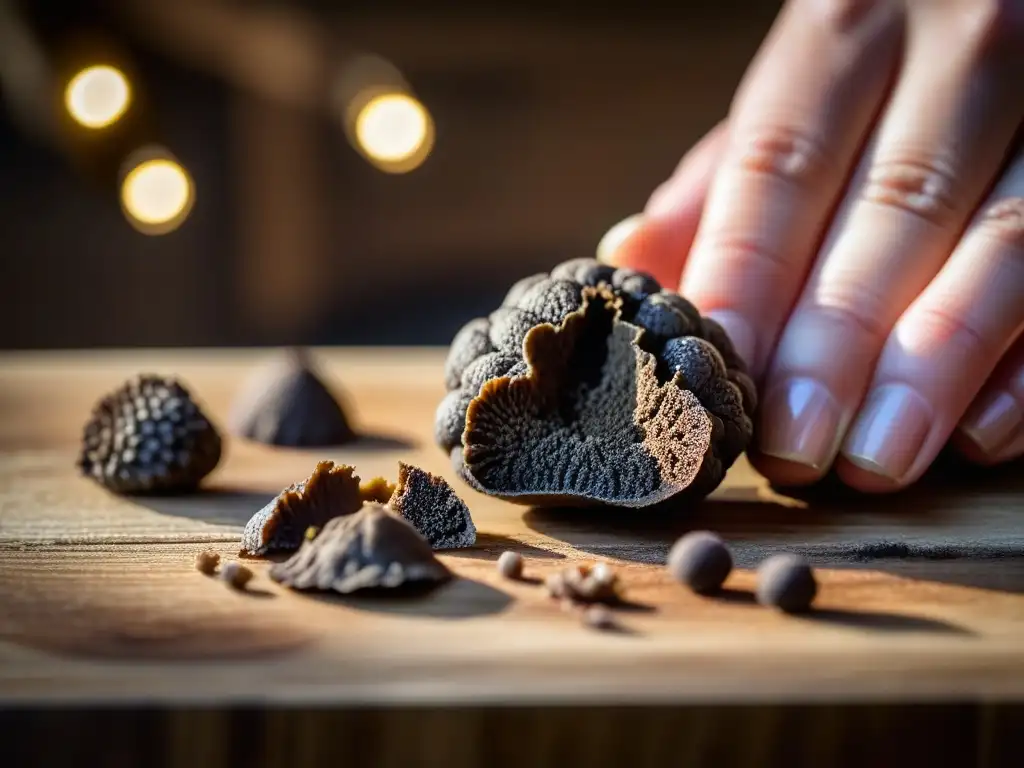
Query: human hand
{"points": [[857, 225]]}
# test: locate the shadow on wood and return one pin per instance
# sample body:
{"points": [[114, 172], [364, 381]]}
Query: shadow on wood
{"points": [[489, 546], [460, 598], [220, 506]]}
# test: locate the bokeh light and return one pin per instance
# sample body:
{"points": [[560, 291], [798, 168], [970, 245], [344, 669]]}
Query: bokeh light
{"points": [[616, 236], [157, 195], [395, 132], [97, 96]]}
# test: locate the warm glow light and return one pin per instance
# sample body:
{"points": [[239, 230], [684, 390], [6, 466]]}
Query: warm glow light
{"points": [[97, 96], [157, 195], [395, 131], [616, 236]]}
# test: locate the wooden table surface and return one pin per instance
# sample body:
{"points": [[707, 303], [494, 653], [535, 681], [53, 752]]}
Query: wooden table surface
{"points": [[921, 602]]}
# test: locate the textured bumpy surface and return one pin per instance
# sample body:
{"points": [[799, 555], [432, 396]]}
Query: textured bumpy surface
{"points": [[332, 490], [592, 385], [148, 436], [433, 508], [287, 404], [373, 548]]}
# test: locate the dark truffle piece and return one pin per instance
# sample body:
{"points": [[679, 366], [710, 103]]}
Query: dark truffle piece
{"points": [[287, 404], [371, 549], [786, 582], [332, 490], [510, 565], [149, 436], [433, 508], [595, 386], [701, 561]]}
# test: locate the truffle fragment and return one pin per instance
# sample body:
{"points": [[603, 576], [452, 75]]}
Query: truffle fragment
{"points": [[599, 617], [207, 561], [287, 404], [148, 436], [370, 549], [433, 508], [594, 386], [331, 491], [236, 574], [786, 582], [377, 490], [510, 565], [584, 583], [701, 561]]}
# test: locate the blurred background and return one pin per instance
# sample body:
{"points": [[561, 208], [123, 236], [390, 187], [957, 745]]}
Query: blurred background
{"points": [[232, 172]]}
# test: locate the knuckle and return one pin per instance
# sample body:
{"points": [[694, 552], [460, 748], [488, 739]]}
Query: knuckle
{"points": [[1003, 220], [921, 184], [745, 253], [859, 309], [954, 334], [790, 155]]}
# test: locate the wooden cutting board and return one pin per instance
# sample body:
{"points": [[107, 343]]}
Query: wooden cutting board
{"points": [[920, 620]]}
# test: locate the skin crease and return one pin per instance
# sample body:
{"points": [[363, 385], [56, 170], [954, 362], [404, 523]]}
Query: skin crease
{"points": [[857, 225]]}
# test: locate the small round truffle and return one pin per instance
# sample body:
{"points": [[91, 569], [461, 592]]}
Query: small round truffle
{"points": [[510, 565], [236, 574], [701, 561], [207, 561], [599, 617], [786, 582]]}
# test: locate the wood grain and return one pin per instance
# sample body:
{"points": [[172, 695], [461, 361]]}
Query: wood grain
{"points": [[921, 602]]}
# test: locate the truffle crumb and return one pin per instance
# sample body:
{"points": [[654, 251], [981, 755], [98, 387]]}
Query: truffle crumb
{"points": [[332, 490], [207, 561], [148, 436], [378, 490], [311, 533], [701, 561], [599, 617], [372, 548], [288, 404], [235, 574], [583, 583], [433, 508], [786, 582], [510, 565]]}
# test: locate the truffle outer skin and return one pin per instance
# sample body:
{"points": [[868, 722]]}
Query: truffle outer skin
{"points": [[701, 561], [729, 395], [149, 436], [786, 582]]}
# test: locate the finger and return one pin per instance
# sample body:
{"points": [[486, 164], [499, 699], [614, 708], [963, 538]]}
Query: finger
{"points": [[942, 140], [659, 243], [943, 348], [794, 131], [992, 430]]}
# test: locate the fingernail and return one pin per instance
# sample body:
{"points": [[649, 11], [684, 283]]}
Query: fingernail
{"points": [[993, 421], [740, 334], [889, 433], [800, 423]]}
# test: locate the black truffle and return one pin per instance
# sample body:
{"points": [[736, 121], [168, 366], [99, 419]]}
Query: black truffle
{"points": [[332, 490], [149, 436], [433, 508], [786, 582], [594, 386], [701, 561], [373, 548], [287, 404]]}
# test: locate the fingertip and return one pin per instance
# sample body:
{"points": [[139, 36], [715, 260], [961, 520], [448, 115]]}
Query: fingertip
{"points": [[865, 478], [783, 473], [655, 246]]}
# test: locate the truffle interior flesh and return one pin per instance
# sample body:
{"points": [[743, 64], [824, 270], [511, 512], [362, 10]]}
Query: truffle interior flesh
{"points": [[592, 422], [430, 504], [331, 491], [373, 548]]}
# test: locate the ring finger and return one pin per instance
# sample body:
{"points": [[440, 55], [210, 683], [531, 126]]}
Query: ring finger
{"points": [[941, 141]]}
